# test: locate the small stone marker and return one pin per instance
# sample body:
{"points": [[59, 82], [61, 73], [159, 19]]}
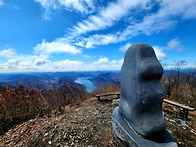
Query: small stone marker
{"points": [[138, 121]]}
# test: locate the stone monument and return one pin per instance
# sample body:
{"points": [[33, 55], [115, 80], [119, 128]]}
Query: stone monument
{"points": [[138, 121]]}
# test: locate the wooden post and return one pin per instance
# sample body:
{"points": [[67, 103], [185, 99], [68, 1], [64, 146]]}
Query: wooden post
{"points": [[98, 98]]}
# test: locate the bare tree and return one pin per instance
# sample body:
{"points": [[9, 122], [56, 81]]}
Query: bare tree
{"points": [[178, 65]]}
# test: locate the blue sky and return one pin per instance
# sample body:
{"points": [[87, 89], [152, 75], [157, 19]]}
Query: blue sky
{"points": [[72, 35]]}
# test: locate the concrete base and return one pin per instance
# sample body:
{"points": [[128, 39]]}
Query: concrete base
{"points": [[127, 138]]}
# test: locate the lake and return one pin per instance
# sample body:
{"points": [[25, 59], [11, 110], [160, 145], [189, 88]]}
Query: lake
{"points": [[84, 81]]}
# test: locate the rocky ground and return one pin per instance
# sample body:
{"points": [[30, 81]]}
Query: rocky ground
{"points": [[89, 124]]}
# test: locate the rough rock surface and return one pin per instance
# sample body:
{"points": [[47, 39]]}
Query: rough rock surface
{"points": [[89, 124], [141, 94]]}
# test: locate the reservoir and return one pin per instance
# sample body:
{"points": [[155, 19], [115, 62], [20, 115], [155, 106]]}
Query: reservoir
{"points": [[87, 83]]}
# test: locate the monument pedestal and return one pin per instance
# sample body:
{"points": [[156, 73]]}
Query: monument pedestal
{"points": [[126, 137]]}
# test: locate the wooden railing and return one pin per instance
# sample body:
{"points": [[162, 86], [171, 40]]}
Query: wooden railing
{"points": [[183, 109], [107, 94]]}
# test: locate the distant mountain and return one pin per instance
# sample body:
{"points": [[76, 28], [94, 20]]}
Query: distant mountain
{"points": [[49, 80], [6, 77], [108, 77], [33, 82]]}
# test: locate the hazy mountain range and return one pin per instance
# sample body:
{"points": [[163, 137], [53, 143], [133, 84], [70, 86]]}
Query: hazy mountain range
{"points": [[48, 80]]}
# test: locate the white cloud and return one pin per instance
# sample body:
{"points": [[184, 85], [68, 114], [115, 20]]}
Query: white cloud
{"points": [[121, 61], [125, 47], [21, 63], [67, 65], [7, 53], [58, 46], [47, 3], [169, 13], [1, 2], [17, 62], [173, 43], [82, 6], [113, 62], [159, 53], [86, 56], [101, 61], [40, 61], [99, 40], [165, 18], [117, 61], [108, 16], [74, 65], [62, 65], [12, 63]]}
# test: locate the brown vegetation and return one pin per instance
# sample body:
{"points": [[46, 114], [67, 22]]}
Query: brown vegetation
{"points": [[106, 88], [180, 85], [20, 104], [88, 123]]}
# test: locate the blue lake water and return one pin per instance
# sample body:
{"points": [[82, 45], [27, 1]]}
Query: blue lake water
{"points": [[84, 81]]}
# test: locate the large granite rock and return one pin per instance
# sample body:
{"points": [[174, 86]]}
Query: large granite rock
{"points": [[141, 97]]}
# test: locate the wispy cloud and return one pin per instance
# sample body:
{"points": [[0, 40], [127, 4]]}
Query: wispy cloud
{"points": [[58, 46], [20, 63], [23, 63], [108, 16], [67, 65], [96, 39], [174, 43], [1, 2], [86, 33], [75, 65], [101, 61], [125, 47], [82, 6], [40, 61], [166, 17], [41, 65], [86, 56], [7, 53], [159, 53], [117, 61], [16, 62]]}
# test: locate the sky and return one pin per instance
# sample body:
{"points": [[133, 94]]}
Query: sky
{"points": [[80, 35]]}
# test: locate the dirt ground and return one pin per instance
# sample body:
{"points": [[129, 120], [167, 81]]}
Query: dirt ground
{"points": [[89, 124]]}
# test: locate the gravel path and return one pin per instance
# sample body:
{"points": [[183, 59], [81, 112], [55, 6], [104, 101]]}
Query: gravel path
{"points": [[87, 124]]}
